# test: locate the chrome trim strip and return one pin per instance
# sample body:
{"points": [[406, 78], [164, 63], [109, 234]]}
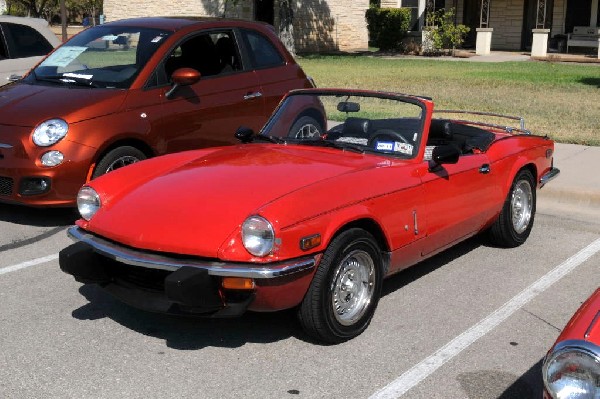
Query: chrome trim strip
{"points": [[548, 176], [5, 145], [140, 258], [592, 324], [520, 119]]}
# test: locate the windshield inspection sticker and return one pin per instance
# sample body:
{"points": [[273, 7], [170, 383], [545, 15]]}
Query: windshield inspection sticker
{"points": [[384, 146], [110, 37], [403, 148], [63, 56], [156, 39]]}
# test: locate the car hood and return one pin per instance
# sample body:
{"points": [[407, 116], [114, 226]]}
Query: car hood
{"points": [[28, 105], [194, 206]]}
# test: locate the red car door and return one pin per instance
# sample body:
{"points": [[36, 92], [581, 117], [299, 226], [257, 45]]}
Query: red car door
{"points": [[459, 199]]}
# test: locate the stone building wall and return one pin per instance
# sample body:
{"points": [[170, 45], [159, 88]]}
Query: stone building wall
{"points": [[319, 25]]}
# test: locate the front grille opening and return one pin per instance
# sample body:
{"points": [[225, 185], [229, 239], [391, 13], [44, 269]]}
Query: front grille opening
{"points": [[141, 277], [6, 185]]}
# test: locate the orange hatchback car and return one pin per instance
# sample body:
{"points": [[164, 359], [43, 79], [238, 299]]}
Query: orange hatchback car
{"points": [[132, 89]]}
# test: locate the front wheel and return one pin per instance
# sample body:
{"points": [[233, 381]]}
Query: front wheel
{"points": [[515, 221], [345, 290], [306, 127], [117, 158]]}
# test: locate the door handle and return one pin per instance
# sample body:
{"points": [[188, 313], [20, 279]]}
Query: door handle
{"points": [[250, 96], [485, 168]]}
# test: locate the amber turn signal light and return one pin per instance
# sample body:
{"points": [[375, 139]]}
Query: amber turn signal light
{"points": [[237, 283], [310, 242]]}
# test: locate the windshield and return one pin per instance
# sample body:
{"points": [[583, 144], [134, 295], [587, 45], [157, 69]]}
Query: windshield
{"points": [[103, 56], [368, 122]]}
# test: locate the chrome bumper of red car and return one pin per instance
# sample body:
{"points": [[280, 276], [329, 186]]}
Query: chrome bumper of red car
{"points": [[140, 258], [548, 176]]}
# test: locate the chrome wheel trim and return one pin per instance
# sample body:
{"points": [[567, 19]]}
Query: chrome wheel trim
{"points": [[308, 131], [521, 206], [120, 162], [353, 287]]}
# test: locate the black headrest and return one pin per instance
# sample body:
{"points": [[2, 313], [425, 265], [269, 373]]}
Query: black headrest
{"points": [[440, 129], [356, 127]]}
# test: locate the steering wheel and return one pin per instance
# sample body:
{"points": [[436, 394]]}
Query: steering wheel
{"points": [[387, 135]]}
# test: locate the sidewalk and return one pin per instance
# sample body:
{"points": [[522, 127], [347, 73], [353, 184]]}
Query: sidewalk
{"points": [[577, 188]]}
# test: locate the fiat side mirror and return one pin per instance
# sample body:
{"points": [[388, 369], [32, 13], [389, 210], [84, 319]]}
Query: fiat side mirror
{"points": [[183, 77]]}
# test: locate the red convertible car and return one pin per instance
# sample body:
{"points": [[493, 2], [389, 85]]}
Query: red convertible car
{"points": [[572, 367], [312, 219]]}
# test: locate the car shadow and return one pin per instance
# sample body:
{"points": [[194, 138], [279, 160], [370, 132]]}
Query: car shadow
{"points": [[38, 217], [427, 266], [189, 333], [193, 333], [502, 385]]}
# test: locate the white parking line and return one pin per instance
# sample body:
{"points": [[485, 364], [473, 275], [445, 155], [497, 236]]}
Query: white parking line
{"points": [[29, 263], [428, 366]]}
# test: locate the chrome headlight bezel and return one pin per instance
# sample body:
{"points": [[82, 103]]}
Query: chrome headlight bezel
{"points": [[258, 236], [88, 202], [49, 132], [576, 365]]}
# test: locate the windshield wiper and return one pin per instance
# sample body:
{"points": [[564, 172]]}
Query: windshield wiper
{"points": [[333, 144], [68, 80], [270, 139]]}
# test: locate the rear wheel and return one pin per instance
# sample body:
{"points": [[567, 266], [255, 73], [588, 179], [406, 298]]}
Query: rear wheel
{"points": [[117, 158], [515, 221], [345, 290]]}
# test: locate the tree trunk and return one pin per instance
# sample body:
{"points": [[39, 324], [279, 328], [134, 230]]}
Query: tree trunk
{"points": [[286, 27]]}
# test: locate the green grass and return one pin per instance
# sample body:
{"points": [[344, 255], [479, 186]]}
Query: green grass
{"points": [[561, 100]]}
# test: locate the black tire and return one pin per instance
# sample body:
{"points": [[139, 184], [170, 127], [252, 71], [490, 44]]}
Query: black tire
{"points": [[326, 316], [306, 127], [515, 221], [117, 158]]}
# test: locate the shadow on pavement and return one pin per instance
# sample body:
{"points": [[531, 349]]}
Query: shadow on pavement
{"points": [[190, 333], [494, 383], [39, 217], [425, 267]]}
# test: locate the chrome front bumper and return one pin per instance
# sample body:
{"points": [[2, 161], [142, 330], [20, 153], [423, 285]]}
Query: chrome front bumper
{"points": [[135, 257]]}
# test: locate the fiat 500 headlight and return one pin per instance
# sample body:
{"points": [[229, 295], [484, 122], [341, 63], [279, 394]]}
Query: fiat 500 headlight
{"points": [[258, 235], [572, 371], [88, 202], [50, 132]]}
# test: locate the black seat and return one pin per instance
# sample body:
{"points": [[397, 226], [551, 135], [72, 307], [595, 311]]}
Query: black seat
{"points": [[227, 54], [440, 132], [356, 127]]}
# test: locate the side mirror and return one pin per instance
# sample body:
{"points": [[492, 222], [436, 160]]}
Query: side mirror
{"points": [[444, 154], [183, 77], [244, 134]]}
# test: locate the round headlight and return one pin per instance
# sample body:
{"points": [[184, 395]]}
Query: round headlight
{"points": [[52, 158], [573, 371], [88, 202], [258, 235], [50, 132]]}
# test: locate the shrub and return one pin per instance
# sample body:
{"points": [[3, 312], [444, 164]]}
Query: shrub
{"points": [[388, 26], [442, 32]]}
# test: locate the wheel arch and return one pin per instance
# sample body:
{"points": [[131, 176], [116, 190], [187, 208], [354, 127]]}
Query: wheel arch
{"points": [[519, 166], [372, 227], [129, 141], [313, 113]]}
